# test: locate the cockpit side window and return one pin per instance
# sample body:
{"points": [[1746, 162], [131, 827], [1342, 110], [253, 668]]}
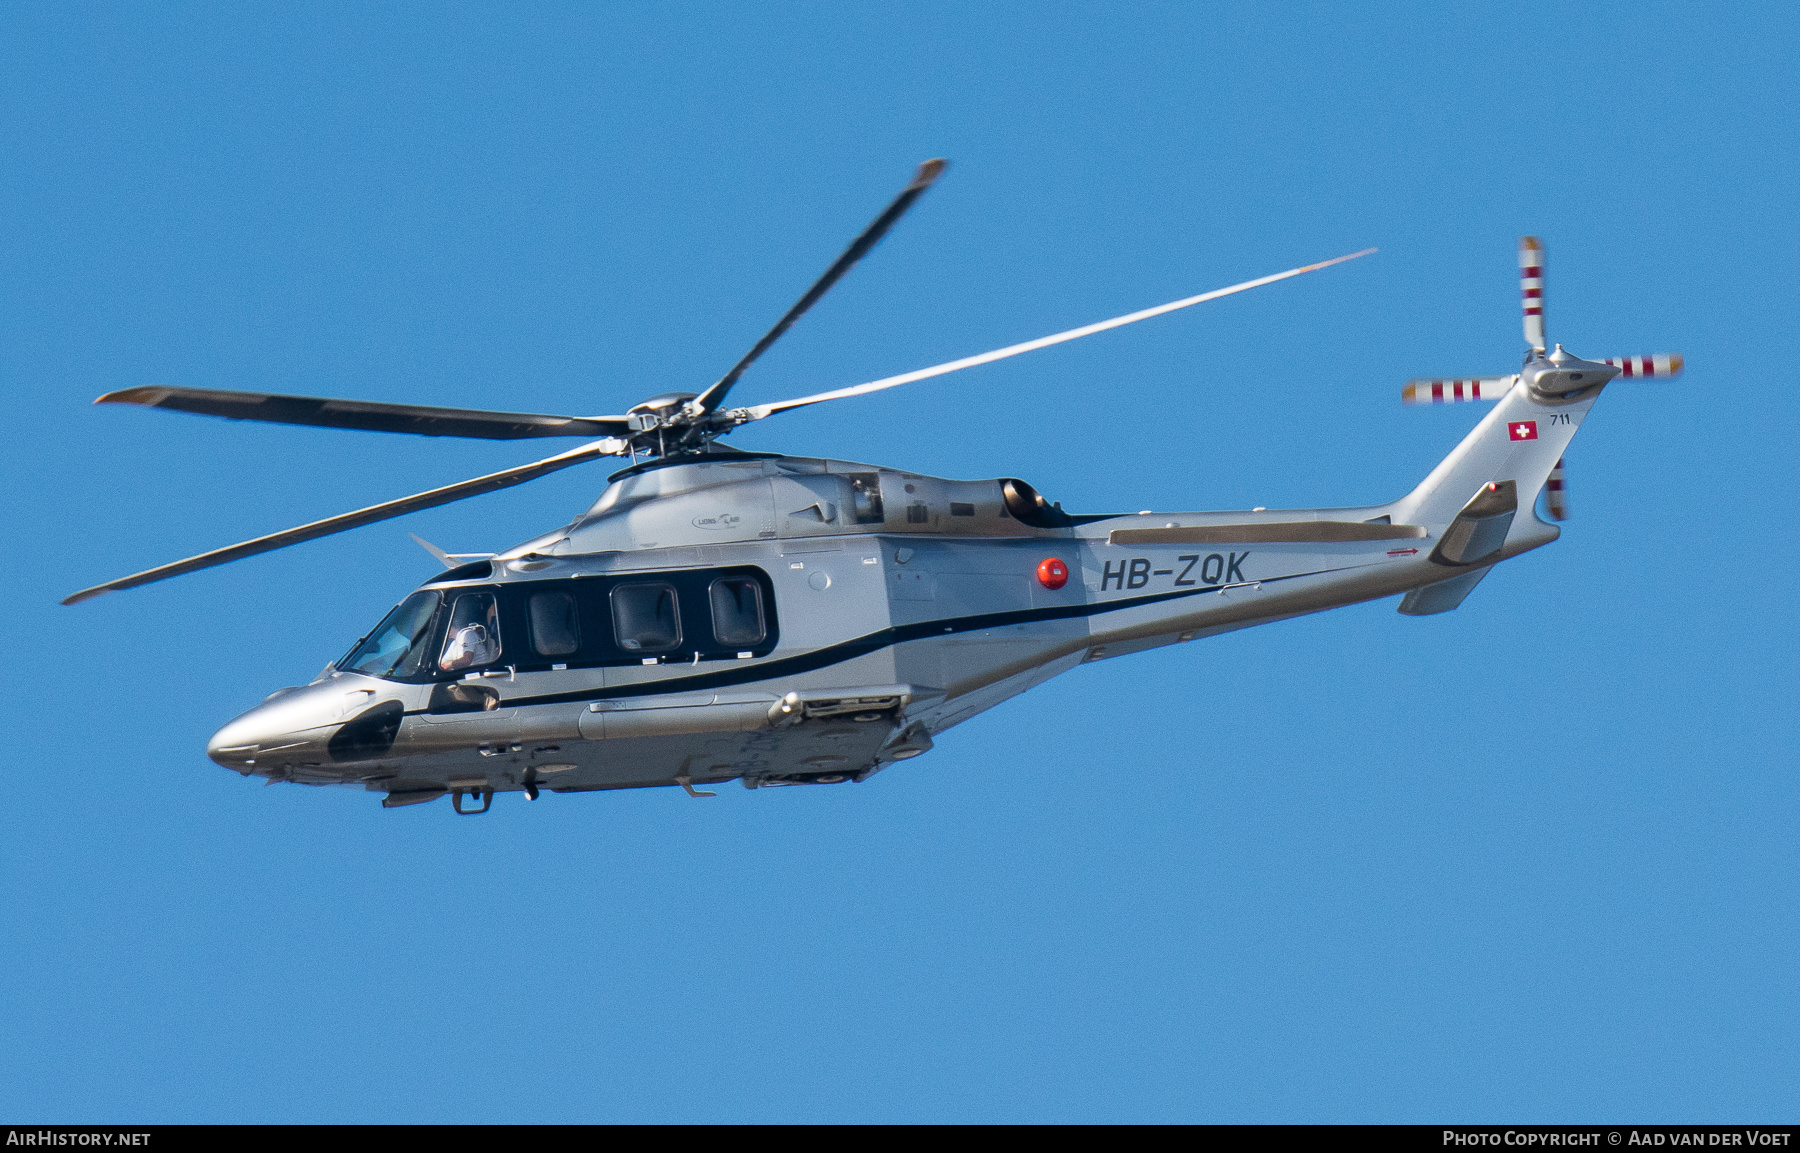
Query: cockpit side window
{"points": [[396, 647], [646, 617], [473, 638]]}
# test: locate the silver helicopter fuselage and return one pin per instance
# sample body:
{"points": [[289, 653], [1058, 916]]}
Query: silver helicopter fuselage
{"points": [[779, 620], [790, 620]]}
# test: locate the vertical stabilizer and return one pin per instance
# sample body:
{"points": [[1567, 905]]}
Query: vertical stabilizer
{"points": [[1521, 440]]}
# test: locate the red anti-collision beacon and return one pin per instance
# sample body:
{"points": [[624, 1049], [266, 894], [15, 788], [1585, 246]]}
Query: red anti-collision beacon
{"points": [[1052, 573]]}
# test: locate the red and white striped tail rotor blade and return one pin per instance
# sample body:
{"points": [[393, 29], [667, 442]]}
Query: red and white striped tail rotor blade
{"points": [[1661, 364], [1555, 493], [1426, 390], [1531, 289]]}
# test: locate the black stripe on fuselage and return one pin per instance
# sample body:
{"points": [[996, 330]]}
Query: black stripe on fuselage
{"points": [[873, 642]]}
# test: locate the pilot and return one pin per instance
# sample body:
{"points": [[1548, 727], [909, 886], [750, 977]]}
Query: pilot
{"points": [[473, 645]]}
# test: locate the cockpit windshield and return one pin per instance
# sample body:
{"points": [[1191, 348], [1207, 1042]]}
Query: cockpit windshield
{"points": [[397, 646]]}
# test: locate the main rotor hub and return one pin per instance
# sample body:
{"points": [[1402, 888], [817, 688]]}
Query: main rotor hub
{"points": [[656, 411]]}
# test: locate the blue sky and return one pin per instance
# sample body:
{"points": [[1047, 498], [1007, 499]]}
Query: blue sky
{"points": [[1531, 860]]}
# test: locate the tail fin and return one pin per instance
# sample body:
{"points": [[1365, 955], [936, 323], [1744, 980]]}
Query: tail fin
{"points": [[1520, 440], [1519, 446]]}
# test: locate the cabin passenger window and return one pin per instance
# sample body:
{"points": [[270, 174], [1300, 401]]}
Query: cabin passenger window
{"points": [[737, 611], [555, 628], [646, 618], [473, 638], [865, 488]]}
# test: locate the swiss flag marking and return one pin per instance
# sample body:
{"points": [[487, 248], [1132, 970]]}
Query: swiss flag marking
{"points": [[1522, 430]]}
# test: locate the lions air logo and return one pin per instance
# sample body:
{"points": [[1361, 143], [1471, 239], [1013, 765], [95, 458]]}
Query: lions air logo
{"points": [[722, 520]]}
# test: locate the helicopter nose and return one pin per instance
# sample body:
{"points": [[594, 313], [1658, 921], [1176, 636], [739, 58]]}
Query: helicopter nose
{"points": [[289, 722], [235, 746]]}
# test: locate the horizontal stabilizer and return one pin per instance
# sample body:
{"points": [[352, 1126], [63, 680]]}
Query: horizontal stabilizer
{"points": [[1442, 596], [1479, 530]]}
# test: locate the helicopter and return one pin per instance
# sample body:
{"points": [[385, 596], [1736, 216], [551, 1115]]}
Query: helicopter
{"points": [[781, 620]]}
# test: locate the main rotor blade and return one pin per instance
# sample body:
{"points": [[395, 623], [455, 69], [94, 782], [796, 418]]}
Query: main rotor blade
{"points": [[370, 416], [757, 412], [923, 179], [437, 496]]}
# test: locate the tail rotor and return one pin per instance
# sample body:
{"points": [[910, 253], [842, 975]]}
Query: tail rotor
{"points": [[1556, 375]]}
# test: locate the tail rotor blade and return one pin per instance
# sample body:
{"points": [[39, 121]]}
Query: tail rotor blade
{"points": [[1661, 364], [1556, 493], [1531, 289], [1429, 390]]}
